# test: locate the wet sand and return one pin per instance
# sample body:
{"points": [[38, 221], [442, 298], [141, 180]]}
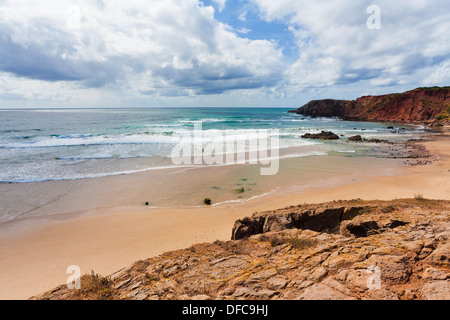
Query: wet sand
{"points": [[35, 252]]}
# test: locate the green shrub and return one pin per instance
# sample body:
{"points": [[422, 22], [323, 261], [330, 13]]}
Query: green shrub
{"points": [[240, 190]]}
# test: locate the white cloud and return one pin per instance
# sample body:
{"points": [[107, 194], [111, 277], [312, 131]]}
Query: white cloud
{"points": [[244, 30], [162, 47], [243, 16], [221, 3], [438, 75], [336, 47], [24, 92]]}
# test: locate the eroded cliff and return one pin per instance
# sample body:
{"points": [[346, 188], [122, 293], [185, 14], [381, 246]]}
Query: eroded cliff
{"points": [[419, 105]]}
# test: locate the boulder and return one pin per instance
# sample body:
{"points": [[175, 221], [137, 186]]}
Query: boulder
{"points": [[357, 138], [315, 218], [324, 135]]}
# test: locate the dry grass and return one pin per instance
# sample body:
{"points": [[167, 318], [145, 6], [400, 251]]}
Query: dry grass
{"points": [[419, 197], [95, 287]]}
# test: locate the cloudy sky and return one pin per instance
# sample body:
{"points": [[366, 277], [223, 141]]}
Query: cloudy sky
{"points": [[283, 53]]}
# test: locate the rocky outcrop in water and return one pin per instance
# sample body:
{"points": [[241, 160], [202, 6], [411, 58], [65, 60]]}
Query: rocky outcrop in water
{"points": [[357, 138], [324, 135]]}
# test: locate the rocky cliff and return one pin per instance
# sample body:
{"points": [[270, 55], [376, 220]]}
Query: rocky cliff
{"points": [[419, 105], [343, 250]]}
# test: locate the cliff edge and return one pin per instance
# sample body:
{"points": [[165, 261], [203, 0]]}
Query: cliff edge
{"points": [[424, 105]]}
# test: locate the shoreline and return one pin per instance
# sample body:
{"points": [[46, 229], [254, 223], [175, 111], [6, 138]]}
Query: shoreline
{"points": [[179, 187], [106, 240]]}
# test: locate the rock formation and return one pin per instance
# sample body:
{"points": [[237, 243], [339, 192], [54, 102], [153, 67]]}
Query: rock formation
{"points": [[357, 138], [324, 135], [343, 250], [430, 105]]}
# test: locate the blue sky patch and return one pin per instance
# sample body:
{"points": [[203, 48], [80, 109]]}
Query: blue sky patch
{"points": [[246, 20]]}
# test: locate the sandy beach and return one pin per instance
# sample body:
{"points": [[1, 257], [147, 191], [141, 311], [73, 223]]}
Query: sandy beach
{"points": [[34, 259]]}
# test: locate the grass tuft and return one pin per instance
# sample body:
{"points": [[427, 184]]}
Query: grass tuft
{"points": [[95, 287], [419, 197]]}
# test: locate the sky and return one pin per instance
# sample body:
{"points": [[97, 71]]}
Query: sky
{"points": [[217, 53]]}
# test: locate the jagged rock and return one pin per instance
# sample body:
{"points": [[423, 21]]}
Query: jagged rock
{"points": [[365, 226], [359, 228], [246, 227], [311, 218]]}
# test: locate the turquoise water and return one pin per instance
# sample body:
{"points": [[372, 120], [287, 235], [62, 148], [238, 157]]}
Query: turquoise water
{"points": [[68, 144]]}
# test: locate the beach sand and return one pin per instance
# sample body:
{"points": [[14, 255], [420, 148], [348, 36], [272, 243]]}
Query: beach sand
{"points": [[34, 258]]}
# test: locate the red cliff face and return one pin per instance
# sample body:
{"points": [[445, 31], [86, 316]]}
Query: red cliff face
{"points": [[419, 105]]}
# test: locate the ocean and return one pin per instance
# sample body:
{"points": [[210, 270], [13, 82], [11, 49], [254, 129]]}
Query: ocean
{"points": [[70, 144]]}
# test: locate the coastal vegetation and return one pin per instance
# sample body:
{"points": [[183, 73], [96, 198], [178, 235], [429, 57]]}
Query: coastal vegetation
{"points": [[239, 190]]}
